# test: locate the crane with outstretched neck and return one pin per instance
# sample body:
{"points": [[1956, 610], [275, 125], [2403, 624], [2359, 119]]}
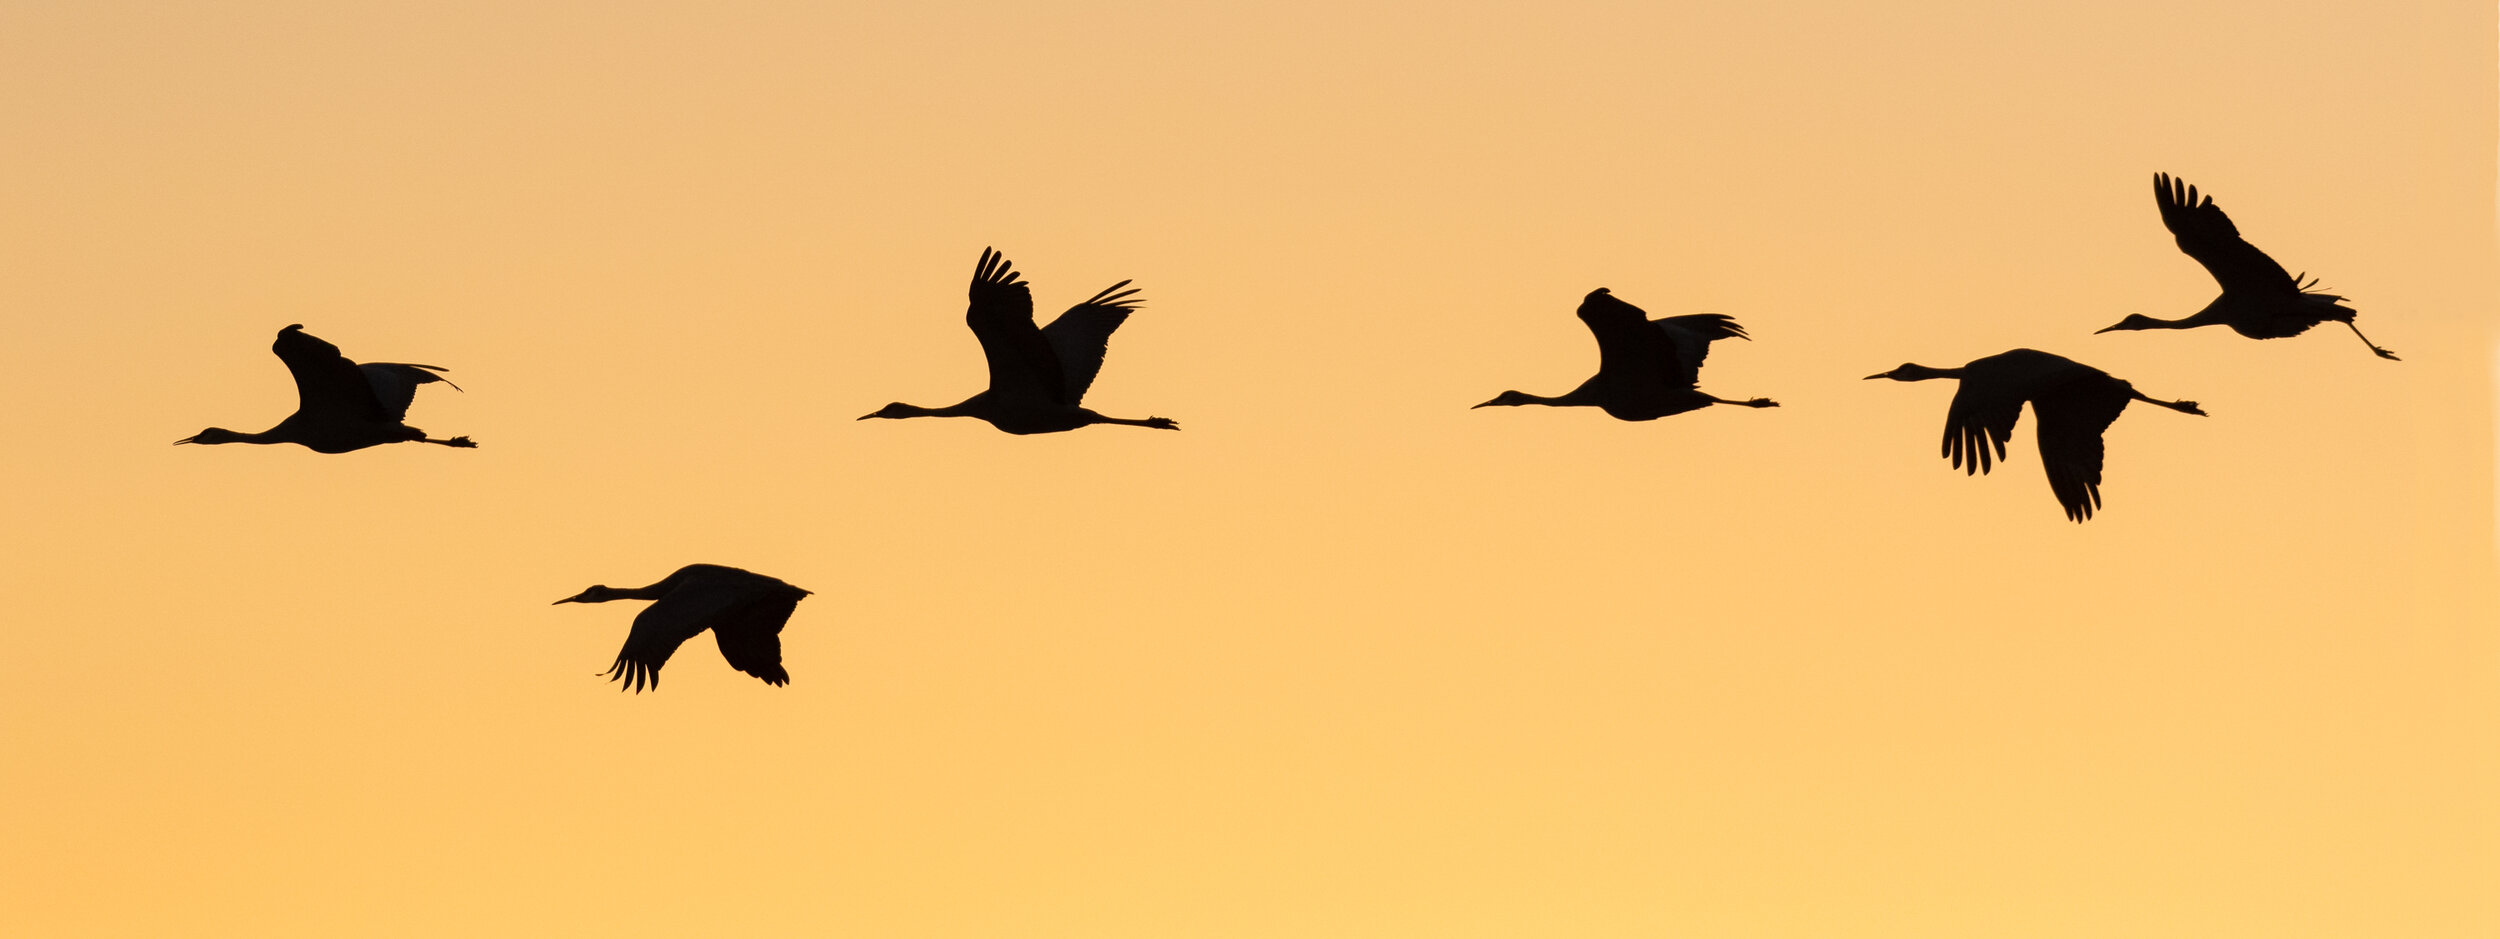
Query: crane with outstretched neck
{"points": [[1646, 369], [2073, 401], [2259, 298], [340, 405], [1038, 375], [744, 610]]}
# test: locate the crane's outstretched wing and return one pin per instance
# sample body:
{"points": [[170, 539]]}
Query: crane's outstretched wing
{"points": [[1980, 418], [1023, 369], [1692, 335], [1081, 335], [750, 636], [1637, 361], [326, 383], [666, 624], [395, 384], [2208, 236], [2072, 417]]}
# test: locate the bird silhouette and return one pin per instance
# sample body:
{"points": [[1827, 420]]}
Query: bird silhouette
{"points": [[2074, 402], [1038, 376], [744, 610], [2259, 299], [1646, 369], [340, 405]]}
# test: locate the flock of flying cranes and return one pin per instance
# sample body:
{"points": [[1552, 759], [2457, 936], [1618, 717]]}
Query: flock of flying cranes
{"points": [[1647, 369]]}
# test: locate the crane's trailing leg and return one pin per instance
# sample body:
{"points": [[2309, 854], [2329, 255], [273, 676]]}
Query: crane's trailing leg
{"points": [[2183, 407], [2365, 340], [1158, 423], [463, 442], [1747, 403]]}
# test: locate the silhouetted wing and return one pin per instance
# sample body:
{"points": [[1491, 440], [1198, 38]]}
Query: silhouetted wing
{"points": [[2208, 236], [750, 636], [1637, 361], [1981, 418], [1692, 336], [1022, 366], [395, 384], [666, 624], [1080, 336], [326, 383], [2072, 417]]}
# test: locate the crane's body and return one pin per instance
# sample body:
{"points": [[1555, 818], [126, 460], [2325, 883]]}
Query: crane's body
{"points": [[1646, 369], [1038, 375], [2074, 403], [340, 405], [744, 610]]}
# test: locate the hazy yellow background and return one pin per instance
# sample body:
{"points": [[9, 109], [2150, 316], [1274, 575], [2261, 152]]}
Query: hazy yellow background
{"points": [[1343, 658]]}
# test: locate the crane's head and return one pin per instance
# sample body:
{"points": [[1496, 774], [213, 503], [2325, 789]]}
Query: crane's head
{"points": [[598, 593], [1911, 371], [211, 435], [897, 410], [2133, 321], [1507, 399]]}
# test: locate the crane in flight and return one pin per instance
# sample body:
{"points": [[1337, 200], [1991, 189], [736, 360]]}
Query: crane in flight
{"points": [[1646, 369], [744, 610], [1038, 375], [2074, 402], [340, 405], [2259, 299]]}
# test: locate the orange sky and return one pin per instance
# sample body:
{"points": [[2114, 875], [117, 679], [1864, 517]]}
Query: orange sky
{"points": [[1341, 658]]}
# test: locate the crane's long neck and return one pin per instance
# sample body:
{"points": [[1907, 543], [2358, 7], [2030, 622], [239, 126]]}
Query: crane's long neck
{"points": [[2212, 314], [602, 593], [653, 592], [899, 410], [1573, 399], [1915, 372], [215, 435], [1585, 396]]}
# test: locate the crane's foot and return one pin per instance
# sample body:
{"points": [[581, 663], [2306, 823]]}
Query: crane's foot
{"points": [[462, 442], [1761, 403], [1162, 423], [2374, 347]]}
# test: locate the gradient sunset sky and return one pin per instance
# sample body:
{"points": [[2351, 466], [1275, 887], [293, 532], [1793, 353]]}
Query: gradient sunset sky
{"points": [[1342, 658]]}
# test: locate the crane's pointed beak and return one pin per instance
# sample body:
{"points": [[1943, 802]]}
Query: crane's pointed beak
{"points": [[576, 598], [1876, 376], [2104, 329], [194, 438]]}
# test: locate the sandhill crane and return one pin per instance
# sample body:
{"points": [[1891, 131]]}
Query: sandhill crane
{"points": [[2074, 402], [744, 610], [340, 405], [1037, 375], [2259, 299], [1646, 369]]}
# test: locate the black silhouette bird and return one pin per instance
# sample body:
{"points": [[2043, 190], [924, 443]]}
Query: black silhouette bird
{"points": [[1646, 369], [1037, 375], [2075, 403], [745, 612], [2259, 299], [340, 405]]}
